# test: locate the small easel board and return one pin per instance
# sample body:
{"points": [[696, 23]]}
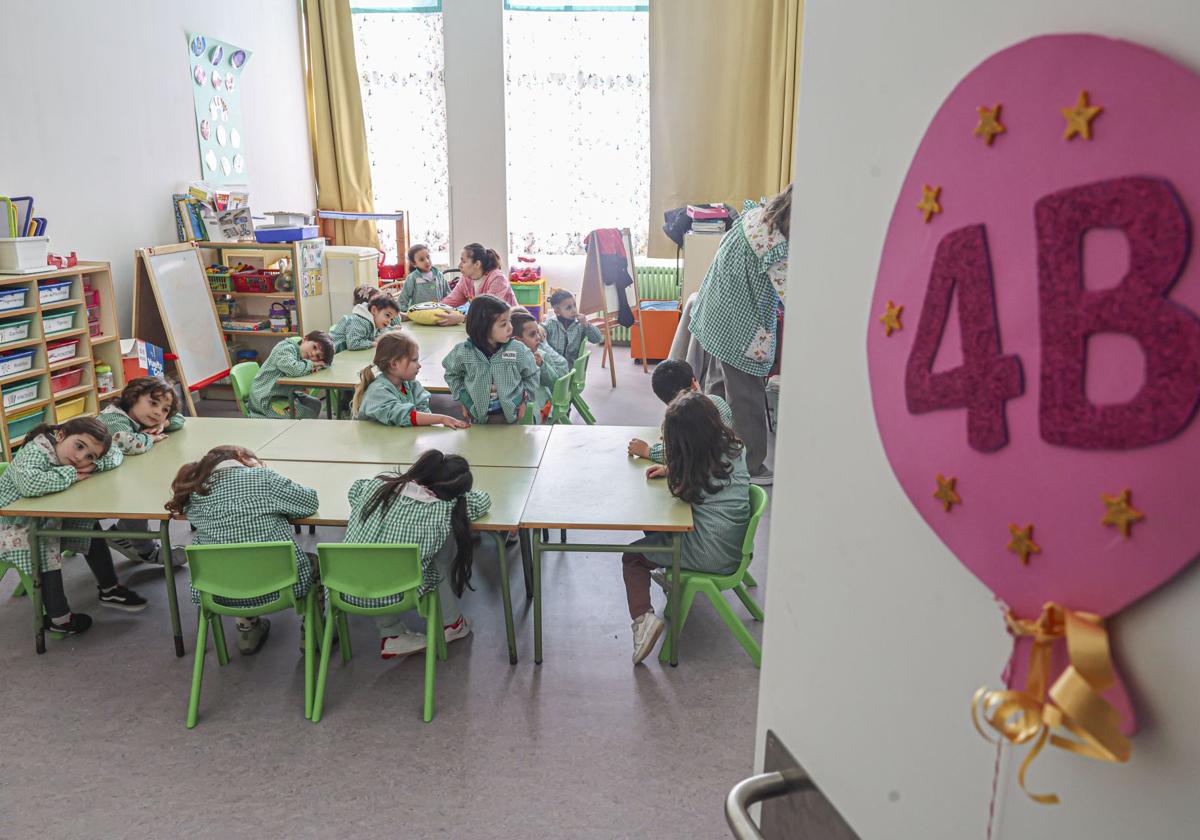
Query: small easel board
{"points": [[172, 307], [595, 297]]}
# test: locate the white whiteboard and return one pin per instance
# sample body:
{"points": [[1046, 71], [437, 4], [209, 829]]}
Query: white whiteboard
{"points": [[175, 291]]}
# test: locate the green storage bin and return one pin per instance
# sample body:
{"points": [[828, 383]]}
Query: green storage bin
{"points": [[23, 424], [527, 294]]}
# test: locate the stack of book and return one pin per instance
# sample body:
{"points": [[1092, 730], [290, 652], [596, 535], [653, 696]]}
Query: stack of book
{"points": [[709, 218], [189, 219]]}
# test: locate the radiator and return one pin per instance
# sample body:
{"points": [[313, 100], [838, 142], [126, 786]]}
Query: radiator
{"points": [[653, 283]]}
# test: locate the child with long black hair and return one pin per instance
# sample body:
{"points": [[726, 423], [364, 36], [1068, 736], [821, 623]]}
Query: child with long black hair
{"points": [[430, 505], [491, 374], [706, 467]]}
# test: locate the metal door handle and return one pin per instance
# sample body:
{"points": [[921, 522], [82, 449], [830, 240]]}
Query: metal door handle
{"points": [[755, 789]]}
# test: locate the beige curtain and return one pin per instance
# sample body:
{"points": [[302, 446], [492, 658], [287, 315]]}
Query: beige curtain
{"points": [[336, 125], [723, 81]]}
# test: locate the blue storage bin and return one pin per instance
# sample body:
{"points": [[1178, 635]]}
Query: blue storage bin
{"points": [[286, 234], [15, 362]]}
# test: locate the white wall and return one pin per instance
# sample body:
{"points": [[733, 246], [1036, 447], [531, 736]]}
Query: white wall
{"points": [[876, 636], [97, 123]]}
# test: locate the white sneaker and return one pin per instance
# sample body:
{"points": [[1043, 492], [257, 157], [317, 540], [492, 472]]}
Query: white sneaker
{"points": [[663, 578], [405, 644], [646, 631], [460, 629]]}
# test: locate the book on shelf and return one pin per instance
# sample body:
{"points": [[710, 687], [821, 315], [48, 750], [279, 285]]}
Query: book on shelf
{"points": [[703, 212], [189, 220]]}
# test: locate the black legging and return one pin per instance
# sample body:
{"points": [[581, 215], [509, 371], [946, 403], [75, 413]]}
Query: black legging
{"points": [[99, 560]]}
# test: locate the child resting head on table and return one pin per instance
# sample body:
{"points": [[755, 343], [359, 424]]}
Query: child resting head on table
{"points": [[388, 391], [671, 378], [705, 467], [230, 497]]}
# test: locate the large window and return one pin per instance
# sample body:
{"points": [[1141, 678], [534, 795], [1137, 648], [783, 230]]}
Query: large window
{"points": [[398, 46], [577, 114]]}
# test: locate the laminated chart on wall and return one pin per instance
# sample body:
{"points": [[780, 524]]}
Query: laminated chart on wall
{"points": [[216, 80], [312, 255]]}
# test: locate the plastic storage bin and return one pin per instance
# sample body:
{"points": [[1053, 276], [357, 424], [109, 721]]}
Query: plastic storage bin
{"points": [[91, 296], [59, 322], [65, 380], [255, 281], [55, 291], [19, 394], [62, 351], [22, 424], [15, 362], [24, 254], [94, 329], [12, 298], [64, 411], [220, 283], [11, 331]]}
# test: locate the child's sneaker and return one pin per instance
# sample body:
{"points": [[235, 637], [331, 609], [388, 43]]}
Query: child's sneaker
{"points": [[663, 578], [404, 644], [251, 639], [647, 628], [76, 624], [120, 598], [126, 548], [460, 629], [154, 556]]}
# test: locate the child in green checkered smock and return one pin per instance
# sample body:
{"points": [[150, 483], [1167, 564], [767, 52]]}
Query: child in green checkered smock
{"points": [[492, 375], [551, 366], [230, 497], [430, 506], [671, 378], [388, 391], [358, 329], [290, 357], [52, 459], [705, 467], [144, 412], [423, 283], [566, 331]]}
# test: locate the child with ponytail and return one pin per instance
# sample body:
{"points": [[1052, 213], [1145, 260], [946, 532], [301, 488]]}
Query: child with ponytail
{"points": [[388, 391], [431, 505]]}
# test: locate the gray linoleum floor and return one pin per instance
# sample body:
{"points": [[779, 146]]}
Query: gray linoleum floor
{"points": [[583, 746]]}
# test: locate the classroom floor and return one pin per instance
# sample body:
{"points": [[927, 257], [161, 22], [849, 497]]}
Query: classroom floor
{"points": [[583, 746]]}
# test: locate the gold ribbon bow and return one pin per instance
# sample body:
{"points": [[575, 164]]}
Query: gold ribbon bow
{"points": [[1075, 704]]}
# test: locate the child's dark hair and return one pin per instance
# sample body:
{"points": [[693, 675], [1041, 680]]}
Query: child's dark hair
{"points": [[519, 316], [322, 340], [560, 296], [698, 447], [778, 214], [486, 257], [412, 255], [89, 426], [193, 477], [390, 347], [363, 294], [670, 378], [383, 301], [449, 478], [155, 386], [482, 313]]}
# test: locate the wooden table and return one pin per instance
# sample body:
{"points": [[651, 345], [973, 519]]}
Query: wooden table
{"points": [[578, 457], [365, 442], [508, 487]]}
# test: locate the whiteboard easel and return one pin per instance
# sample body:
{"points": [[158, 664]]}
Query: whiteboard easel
{"points": [[173, 308]]}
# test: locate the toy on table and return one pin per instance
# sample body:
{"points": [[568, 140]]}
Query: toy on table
{"points": [[428, 314]]}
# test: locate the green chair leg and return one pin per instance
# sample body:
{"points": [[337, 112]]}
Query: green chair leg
{"points": [[747, 580], [441, 629], [735, 625], [685, 606], [218, 634], [197, 670], [752, 606], [343, 630], [433, 625], [323, 669], [310, 608]]}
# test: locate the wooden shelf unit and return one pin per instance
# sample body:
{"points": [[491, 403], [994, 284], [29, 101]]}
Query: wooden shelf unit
{"points": [[90, 351]]}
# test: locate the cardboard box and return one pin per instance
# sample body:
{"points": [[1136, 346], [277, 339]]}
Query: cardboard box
{"points": [[140, 358]]}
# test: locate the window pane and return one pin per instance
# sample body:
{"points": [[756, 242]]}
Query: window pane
{"points": [[368, 7], [599, 6], [577, 112], [400, 67]]}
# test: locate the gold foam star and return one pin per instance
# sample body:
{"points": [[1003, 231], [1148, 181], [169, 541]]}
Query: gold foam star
{"points": [[891, 318], [1022, 543], [945, 493], [1080, 116], [989, 124], [929, 201], [1120, 512]]}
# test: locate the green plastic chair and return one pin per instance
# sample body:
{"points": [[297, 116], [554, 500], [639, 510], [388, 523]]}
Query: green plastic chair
{"points": [[713, 585], [560, 400], [243, 571], [375, 571], [241, 376], [578, 381]]}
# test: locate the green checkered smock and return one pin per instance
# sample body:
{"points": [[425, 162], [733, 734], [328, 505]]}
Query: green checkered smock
{"points": [[553, 368], [656, 451], [407, 521], [127, 433], [384, 403], [735, 316], [471, 376], [355, 331], [249, 505], [35, 471], [568, 339], [284, 361], [422, 288]]}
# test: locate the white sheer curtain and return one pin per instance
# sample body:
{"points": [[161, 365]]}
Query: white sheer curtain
{"points": [[400, 64], [577, 91]]}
